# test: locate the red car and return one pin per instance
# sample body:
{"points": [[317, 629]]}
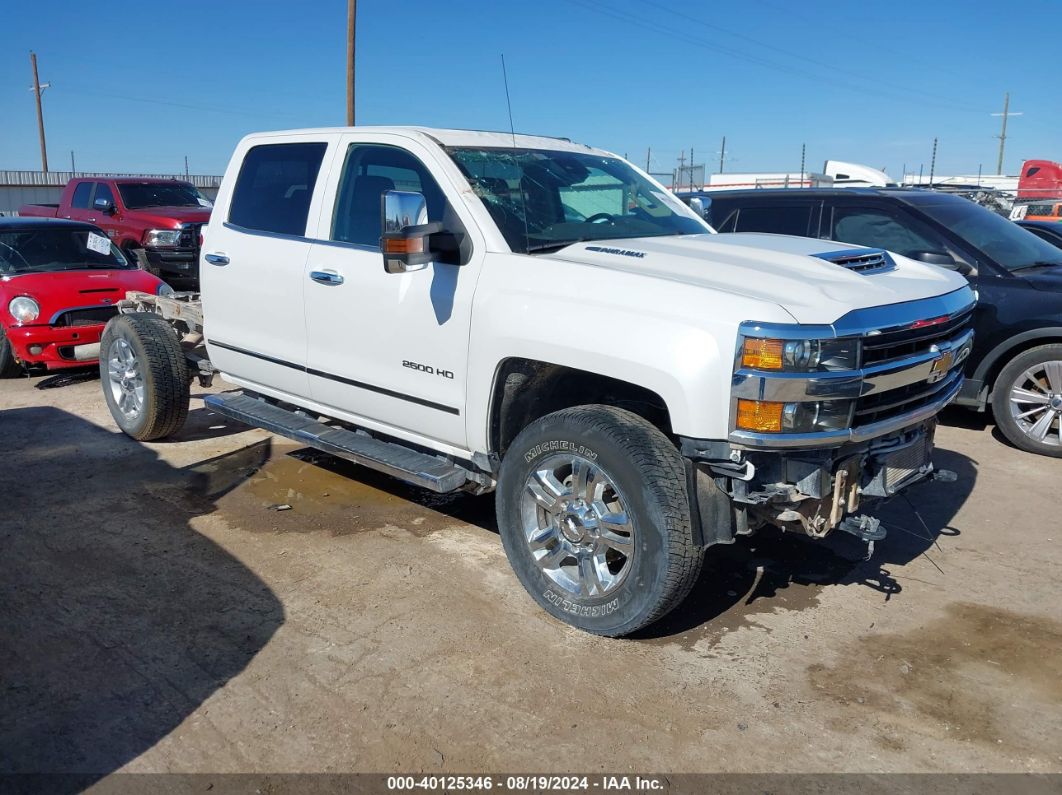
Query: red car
{"points": [[60, 282]]}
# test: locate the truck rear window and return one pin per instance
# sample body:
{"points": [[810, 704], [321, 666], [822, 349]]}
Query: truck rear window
{"points": [[274, 188]]}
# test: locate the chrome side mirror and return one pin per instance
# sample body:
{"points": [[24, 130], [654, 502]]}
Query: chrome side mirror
{"points": [[105, 206], [405, 227]]}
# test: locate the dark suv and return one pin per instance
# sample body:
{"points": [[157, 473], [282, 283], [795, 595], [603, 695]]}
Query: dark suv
{"points": [[1016, 364]]}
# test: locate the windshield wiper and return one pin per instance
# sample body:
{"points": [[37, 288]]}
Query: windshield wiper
{"points": [[1039, 264], [559, 244]]}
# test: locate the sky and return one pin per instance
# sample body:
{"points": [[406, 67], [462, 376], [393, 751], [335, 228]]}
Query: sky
{"points": [[139, 86]]}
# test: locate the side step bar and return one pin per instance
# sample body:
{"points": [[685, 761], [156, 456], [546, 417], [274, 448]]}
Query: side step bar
{"points": [[420, 469]]}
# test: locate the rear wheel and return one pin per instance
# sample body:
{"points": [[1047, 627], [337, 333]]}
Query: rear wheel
{"points": [[1027, 400], [9, 365], [594, 517], [144, 375]]}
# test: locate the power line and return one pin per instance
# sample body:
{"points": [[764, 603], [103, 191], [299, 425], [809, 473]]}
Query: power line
{"points": [[644, 23]]}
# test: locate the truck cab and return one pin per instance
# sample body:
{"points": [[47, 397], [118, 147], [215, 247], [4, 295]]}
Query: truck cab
{"points": [[484, 311]]}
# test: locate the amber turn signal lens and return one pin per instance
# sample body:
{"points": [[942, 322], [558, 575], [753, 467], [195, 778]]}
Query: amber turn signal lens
{"points": [[400, 245], [762, 354], [759, 415]]}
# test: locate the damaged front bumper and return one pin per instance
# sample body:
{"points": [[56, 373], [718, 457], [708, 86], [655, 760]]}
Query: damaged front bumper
{"points": [[812, 492]]}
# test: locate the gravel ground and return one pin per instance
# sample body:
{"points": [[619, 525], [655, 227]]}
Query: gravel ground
{"points": [[158, 614]]}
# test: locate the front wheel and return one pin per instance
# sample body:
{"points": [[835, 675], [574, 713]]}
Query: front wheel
{"points": [[594, 517], [1027, 400], [144, 376]]}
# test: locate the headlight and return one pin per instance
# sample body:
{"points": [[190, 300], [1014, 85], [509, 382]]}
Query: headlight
{"points": [[162, 237], [800, 356], [24, 309], [765, 416], [163, 289]]}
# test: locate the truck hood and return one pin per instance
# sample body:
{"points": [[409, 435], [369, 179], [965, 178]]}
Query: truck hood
{"points": [[164, 217], [63, 290], [779, 269]]}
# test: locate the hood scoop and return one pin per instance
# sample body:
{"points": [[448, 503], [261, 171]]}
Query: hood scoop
{"points": [[861, 260]]}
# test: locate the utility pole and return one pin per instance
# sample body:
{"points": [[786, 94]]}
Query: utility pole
{"points": [[691, 171], [648, 157], [803, 156], [1003, 132], [681, 169], [73, 168], [352, 14], [722, 155], [186, 167], [933, 163], [37, 89]]}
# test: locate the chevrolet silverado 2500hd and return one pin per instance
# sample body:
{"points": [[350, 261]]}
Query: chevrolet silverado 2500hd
{"points": [[479, 311]]}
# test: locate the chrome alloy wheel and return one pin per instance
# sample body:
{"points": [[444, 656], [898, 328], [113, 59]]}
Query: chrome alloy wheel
{"points": [[1036, 403], [126, 380], [576, 524]]}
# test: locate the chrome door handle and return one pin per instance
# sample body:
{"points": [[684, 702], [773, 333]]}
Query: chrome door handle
{"points": [[217, 259], [326, 277]]}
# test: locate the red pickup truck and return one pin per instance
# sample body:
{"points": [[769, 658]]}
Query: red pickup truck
{"points": [[155, 222]]}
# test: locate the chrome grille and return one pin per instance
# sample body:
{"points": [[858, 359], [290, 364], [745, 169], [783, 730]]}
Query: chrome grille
{"points": [[913, 340]]}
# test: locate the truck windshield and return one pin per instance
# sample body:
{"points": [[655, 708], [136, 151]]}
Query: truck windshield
{"points": [[1004, 241], [57, 249], [137, 195], [544, 200]]}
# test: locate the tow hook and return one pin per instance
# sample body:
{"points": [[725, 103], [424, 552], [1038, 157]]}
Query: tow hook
{"points": [[865, 528]]}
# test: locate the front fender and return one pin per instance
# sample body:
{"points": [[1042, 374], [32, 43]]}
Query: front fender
{"points": [[673, 339]]}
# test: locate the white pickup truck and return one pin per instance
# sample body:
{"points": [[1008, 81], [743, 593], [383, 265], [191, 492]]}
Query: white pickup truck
{"points": [[480, 311]]}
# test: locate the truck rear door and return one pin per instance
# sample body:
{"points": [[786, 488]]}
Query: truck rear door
{"points": [[386, 350], [253, 264]]}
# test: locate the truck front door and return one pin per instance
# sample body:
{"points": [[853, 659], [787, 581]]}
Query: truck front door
{"points": [[387, 351]]}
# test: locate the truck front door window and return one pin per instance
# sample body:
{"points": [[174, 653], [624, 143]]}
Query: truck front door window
{"points": [[548, 199], [274, 188], [368, 171], [867, 226]]}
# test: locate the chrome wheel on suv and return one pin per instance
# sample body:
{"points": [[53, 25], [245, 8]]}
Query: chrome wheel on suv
{"points": [[576, 526], [1027, 400], [1036, 402]]}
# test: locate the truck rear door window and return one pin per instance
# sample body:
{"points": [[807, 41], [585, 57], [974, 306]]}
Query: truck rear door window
{"points": [[275, 185], [779, 220], [80, 199]]}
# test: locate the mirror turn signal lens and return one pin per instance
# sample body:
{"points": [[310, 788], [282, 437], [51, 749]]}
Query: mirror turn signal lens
{"points": [[403, 245], [759, 415], [762, 354]]}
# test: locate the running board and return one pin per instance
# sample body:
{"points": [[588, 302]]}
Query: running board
{"points": [[420, 469]]}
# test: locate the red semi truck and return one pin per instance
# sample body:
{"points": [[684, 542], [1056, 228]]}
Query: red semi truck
{"points": [[1040, 179], [155, 222]]}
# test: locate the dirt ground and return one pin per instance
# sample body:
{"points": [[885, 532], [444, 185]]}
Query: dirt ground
{"points": [[158, 614]]}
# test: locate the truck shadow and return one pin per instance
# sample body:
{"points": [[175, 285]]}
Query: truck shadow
{"points": [[119, 619], [772, 570], [767, 571]]}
